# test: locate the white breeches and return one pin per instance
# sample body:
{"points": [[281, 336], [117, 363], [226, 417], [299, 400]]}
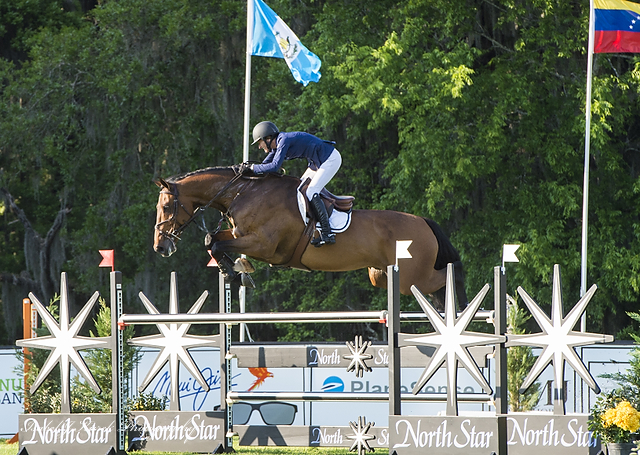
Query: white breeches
{"points": [[323, 175]]}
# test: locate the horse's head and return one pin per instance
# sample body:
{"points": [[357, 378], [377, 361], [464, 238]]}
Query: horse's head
{"points": [[172, 216], [198, 190]]}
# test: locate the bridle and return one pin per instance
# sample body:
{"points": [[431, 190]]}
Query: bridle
{"points": [[174, 234]]}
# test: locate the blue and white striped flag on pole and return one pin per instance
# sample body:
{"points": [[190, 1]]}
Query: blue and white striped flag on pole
{"points": [[273, 38]]}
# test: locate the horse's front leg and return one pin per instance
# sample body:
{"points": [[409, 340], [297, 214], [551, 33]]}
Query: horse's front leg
{"points": [[225, 263], [252, 245], [224, 242]]}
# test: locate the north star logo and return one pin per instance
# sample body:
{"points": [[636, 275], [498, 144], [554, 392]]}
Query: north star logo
{"points": [[194, 428], [65, 432], [320, 357], [551, 434]]}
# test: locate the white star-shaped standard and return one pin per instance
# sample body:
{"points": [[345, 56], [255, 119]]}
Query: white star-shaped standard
{"points": [[451, 340], [358, 356], [557, 338], [173, 343], [65, 343], [360, 438]]}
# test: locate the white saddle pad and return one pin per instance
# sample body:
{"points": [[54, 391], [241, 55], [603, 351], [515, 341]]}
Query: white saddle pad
{"points": [[339, 221]]}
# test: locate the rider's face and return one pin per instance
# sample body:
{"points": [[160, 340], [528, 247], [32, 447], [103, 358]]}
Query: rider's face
{"points": [[263, 145]]}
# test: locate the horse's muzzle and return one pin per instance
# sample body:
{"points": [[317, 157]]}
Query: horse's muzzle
{"points": [[165, 249]]}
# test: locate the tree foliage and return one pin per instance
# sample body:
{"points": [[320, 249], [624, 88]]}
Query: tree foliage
{"points": [[470, 113]]}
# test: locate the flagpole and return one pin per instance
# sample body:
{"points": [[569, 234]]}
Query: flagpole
{"points": [[587, 146], [247, 82], [245, 135]]}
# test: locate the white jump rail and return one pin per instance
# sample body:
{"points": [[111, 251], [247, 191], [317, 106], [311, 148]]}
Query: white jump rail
{"points": [[273, 318], [233, 397]]}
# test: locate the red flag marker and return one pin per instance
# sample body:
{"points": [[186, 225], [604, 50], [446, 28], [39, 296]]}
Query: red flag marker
{"points": [[212, 262], [107, 258]]}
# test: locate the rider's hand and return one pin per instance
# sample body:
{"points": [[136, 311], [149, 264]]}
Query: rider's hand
{"points": [[246, 168]]}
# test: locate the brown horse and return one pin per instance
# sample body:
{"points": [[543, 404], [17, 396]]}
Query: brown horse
{"points": [[266, 225]]}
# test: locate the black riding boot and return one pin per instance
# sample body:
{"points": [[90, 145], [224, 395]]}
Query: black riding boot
{"points": [[325, 230]]}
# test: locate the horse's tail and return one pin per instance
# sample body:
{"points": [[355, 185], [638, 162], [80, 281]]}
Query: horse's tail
{"points": [[446, 254], [446, 251]]}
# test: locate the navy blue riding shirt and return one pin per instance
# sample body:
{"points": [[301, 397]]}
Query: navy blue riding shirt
{"points": [[296, 145]]}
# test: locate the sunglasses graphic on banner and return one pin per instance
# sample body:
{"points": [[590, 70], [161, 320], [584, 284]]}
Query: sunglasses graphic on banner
{"points": [[272, 412]]}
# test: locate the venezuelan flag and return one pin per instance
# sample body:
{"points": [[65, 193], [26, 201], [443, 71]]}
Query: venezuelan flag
{"points": [[617, 26]]}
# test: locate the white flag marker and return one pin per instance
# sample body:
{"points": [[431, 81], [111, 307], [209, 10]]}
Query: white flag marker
{"points": [[402, 250], [509, 253]]}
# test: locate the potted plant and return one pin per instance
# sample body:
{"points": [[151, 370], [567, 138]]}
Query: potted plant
{"points": [[615, 419]]}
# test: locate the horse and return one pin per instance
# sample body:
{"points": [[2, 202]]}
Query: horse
{"points": [[266, 225]]}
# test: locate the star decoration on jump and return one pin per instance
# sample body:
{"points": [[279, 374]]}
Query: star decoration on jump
{"points": [[557, 339], [173, 343], [64, 344], [361, 438], [451, 341], [358, 356]]}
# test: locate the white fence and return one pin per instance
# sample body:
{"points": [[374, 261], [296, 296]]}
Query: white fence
{"points": [[601, 358]]}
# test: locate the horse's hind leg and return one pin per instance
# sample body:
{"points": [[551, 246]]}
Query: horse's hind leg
{"points": [[378, 277]]}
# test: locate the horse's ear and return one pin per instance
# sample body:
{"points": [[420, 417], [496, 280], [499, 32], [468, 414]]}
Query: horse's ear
{"points": [[162, 183]]}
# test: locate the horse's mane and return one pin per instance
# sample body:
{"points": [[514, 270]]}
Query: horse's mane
{"points": [[177, 178]]}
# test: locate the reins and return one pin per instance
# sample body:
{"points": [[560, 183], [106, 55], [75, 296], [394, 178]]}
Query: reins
{"points": [[175, 234]]}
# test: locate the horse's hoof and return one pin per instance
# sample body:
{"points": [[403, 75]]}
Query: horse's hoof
{"points": [[247, 281], [243, 265]]}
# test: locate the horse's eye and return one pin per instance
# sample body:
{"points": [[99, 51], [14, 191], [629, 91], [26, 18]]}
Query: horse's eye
{"points": [[165, 207]]}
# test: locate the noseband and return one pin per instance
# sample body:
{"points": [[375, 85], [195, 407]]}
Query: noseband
{"points": [[174, 234]]}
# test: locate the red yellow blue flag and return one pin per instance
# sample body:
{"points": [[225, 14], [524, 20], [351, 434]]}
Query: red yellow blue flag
{"points": [[617, 26]]}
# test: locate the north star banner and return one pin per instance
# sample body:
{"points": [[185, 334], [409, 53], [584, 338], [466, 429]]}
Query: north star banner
{"points": [[527, 434], [617, 26], [181, 431], [50, 434]]}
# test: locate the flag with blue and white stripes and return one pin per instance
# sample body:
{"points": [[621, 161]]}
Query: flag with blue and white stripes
{"points": [[273, 38]]}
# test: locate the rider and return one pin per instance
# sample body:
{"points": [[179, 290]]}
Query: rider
{"points": [[323, 158]]}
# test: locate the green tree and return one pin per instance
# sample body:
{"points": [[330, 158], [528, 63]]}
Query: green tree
{"points": [[520, 360]]}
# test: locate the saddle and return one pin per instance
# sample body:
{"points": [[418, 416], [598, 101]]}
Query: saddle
{"points": [[331, 201]]}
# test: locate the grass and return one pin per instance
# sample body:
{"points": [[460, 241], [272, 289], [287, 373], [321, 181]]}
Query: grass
{"points": [[8, 449], [12, 449]]}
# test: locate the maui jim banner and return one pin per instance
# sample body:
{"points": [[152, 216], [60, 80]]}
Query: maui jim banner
{"points": [[526, 434], [177, 431], [48, 434]]}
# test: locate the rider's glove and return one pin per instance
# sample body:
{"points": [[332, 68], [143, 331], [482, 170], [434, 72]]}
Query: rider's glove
{"points": [[246, 168]]}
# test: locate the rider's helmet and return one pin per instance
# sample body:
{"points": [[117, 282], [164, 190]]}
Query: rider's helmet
{"points": [[264, 129]]}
